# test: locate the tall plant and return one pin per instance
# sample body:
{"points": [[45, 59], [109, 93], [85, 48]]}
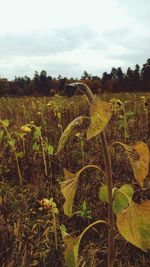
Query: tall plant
{"points": [[133, 220]]}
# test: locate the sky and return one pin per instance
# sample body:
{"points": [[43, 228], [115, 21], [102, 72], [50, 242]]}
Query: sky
{"points": [[67, 37]]}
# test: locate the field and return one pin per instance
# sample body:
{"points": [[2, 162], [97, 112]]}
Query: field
{"points": [[30, 170]]}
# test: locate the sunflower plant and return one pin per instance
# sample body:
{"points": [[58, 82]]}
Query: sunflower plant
{"points": [[132, 219]]}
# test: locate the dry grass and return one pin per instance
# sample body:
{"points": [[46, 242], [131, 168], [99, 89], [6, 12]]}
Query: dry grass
{"points": [[27, 233]]}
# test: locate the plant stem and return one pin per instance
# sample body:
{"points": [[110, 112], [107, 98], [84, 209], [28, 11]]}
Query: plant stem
{"points": [[107, 162], [108, 171], [44, 156], [15, 154]]}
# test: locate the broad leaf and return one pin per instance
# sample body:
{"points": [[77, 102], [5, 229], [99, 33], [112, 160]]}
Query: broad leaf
{"points": [[65, 135], [139, 159], [127, 189], [100, 115], [134, 224], [72, 249], [72, 244], [69, 186], [138, 155]]}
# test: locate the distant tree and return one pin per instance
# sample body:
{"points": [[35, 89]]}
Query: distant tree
{"points": [[137, 79], [86, 76], [4, 86], [113, 74], [145, 75]]}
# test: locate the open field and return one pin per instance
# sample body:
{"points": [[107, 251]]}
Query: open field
{"points": [[30, 170]]}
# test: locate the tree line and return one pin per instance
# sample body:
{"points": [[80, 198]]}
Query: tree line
{"points": [[134, 80]]}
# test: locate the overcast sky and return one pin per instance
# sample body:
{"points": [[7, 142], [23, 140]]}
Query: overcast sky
{"points": [[69, 36]]}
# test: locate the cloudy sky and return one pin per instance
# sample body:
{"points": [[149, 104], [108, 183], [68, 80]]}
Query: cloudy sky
{"points": [[69, 36]]}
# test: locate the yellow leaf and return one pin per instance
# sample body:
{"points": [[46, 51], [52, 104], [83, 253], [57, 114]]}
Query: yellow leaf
{"points": [[138, 155], [65, 135], [134, 224], [69, 186], [100, 115], [73, 243]]}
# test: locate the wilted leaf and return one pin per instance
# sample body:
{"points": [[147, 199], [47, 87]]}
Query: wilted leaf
{"points": [[138, 155], [72, 244], [72, 249], [140, 163], [65, 135], [100, 115], [134, 224], [69, 186]]}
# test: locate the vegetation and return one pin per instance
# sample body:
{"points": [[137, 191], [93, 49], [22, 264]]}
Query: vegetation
{"points": [[32, 218], [137, 79]]}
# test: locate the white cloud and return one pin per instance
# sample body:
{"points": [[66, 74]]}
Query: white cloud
{"points": [[67, 37]]}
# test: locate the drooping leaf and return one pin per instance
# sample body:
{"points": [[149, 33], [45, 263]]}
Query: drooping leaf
{"points": [[133, 224], [69, 186], [72, 249], [100, 115], [138, 155], [73, 243], [103, 193], [65, 135], [140, 163]]}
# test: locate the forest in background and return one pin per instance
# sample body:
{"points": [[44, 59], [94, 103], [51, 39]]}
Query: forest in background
{"points": [[42, 84]]}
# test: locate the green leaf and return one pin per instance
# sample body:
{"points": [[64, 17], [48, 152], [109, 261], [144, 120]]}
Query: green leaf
{"points": [[120, 202], [127, 189], [100, 115], [122, 198], [133, 224], [5, 123], [103, 193], [65, 135], [12, 142], [20, 154], [35, 146], [37, 133], [50, 149], [69, 186], [129, 114]]}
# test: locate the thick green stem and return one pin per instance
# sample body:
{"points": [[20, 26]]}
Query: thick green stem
{"points": [[108, 171]]}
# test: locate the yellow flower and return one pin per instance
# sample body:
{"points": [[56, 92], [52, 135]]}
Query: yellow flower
{"points": [[46, 203], [25, 129]]}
